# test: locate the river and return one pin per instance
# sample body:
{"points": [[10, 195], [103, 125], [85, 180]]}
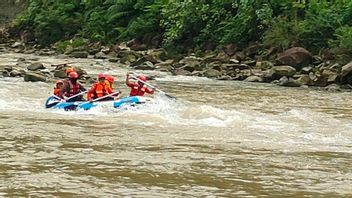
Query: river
{"points": [[218, 139]]}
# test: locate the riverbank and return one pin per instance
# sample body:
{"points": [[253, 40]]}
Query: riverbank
{"points": [[295, 67]]}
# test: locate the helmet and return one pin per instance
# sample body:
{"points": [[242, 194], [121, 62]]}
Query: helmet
{"points": [[59, 82], [142, 78], [69, 70], [101, 75], [73, 75], [110, 79]]}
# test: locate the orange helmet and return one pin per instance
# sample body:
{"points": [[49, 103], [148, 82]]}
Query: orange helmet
{"points": [[73, 75], [59, 82], [69, 70], [142, 78], [111, 79], [101, 75]]}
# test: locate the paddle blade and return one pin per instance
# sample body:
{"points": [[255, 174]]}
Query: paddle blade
{"points": [[51, 101], [170, 96]]}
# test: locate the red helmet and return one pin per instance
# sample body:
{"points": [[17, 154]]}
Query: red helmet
{"points": [[101, 75], [142, 78], [110, 79], [69, 70], [73, 75]]}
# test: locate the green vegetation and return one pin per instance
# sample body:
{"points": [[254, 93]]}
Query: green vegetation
{"points": [[314, 24]]}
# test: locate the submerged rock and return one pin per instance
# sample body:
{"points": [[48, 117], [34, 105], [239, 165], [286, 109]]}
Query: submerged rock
{"points": [[34, 77]]}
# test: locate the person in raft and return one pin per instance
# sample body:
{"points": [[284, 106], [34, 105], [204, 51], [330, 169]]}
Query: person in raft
{"points": [[109, 80], [72, 87], [59, 84], [138, 88], [100, 89]]}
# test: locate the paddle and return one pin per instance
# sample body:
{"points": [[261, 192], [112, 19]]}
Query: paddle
{"points": [[153, 87], [88, 105]]}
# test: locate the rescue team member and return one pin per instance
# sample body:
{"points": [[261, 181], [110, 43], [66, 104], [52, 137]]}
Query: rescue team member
{"points": [[100, 89], [109, 80], [138, 88], [69, 70], [72, 87], [58, 86]]}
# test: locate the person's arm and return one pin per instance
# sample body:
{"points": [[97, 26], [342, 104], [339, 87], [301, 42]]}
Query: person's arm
{"points": [[63, 90], [149, 91], [90, 92], [128, 83]]}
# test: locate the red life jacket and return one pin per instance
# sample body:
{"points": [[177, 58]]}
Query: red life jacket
{"points": [[137, 90], [74, 89], [56, 91]]}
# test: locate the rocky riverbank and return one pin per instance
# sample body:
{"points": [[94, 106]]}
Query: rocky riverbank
{"points": [[295, 67]]}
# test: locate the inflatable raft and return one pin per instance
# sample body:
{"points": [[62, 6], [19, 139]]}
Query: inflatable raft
{"points": [[53, 102]]}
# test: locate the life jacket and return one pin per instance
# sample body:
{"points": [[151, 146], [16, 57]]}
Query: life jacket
{"points": [[74, 89], [109, 84], [137, 90], [100, 90], [56, 91]]}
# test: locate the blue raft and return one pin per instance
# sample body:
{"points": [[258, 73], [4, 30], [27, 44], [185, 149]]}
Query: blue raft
{"points": [[54, 103]]}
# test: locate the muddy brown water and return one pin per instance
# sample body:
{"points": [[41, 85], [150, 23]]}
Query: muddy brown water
{"points": [[219, 139]]}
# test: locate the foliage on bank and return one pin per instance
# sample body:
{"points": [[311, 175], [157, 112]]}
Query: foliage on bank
{"points": [[314, 24]]}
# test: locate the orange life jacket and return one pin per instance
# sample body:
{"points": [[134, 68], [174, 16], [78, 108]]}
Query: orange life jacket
{"points": [[99, 90]]}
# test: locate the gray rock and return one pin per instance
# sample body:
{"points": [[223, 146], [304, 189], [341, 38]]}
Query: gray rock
{"points": [[346, 73], [100, 55], [15, 73], [288, 82], [254, 79], [113, 60], [35, 66], [34, 77], [303, 80], [145, 66], [333, 88], [306, 70], [284, 70], [181, 72], [5, 73], [212, 73], [60, 73], [79, 54]]}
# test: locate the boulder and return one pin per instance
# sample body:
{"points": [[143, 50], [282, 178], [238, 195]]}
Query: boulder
{"points": [[113, 60], [147, 65], [303, 80], [130, 58], [296, 57], [79, 54], [346, 73], [212, 73], [253, 79], [5, 73], [100, 55], [181, 72], [34, 77], [306, 70], [60, 73], [333, 88], [288, 82], [264, 65], [191, 63], [277, 72], [35, 66], [230, 49], [15, 73], [330, 76]]}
